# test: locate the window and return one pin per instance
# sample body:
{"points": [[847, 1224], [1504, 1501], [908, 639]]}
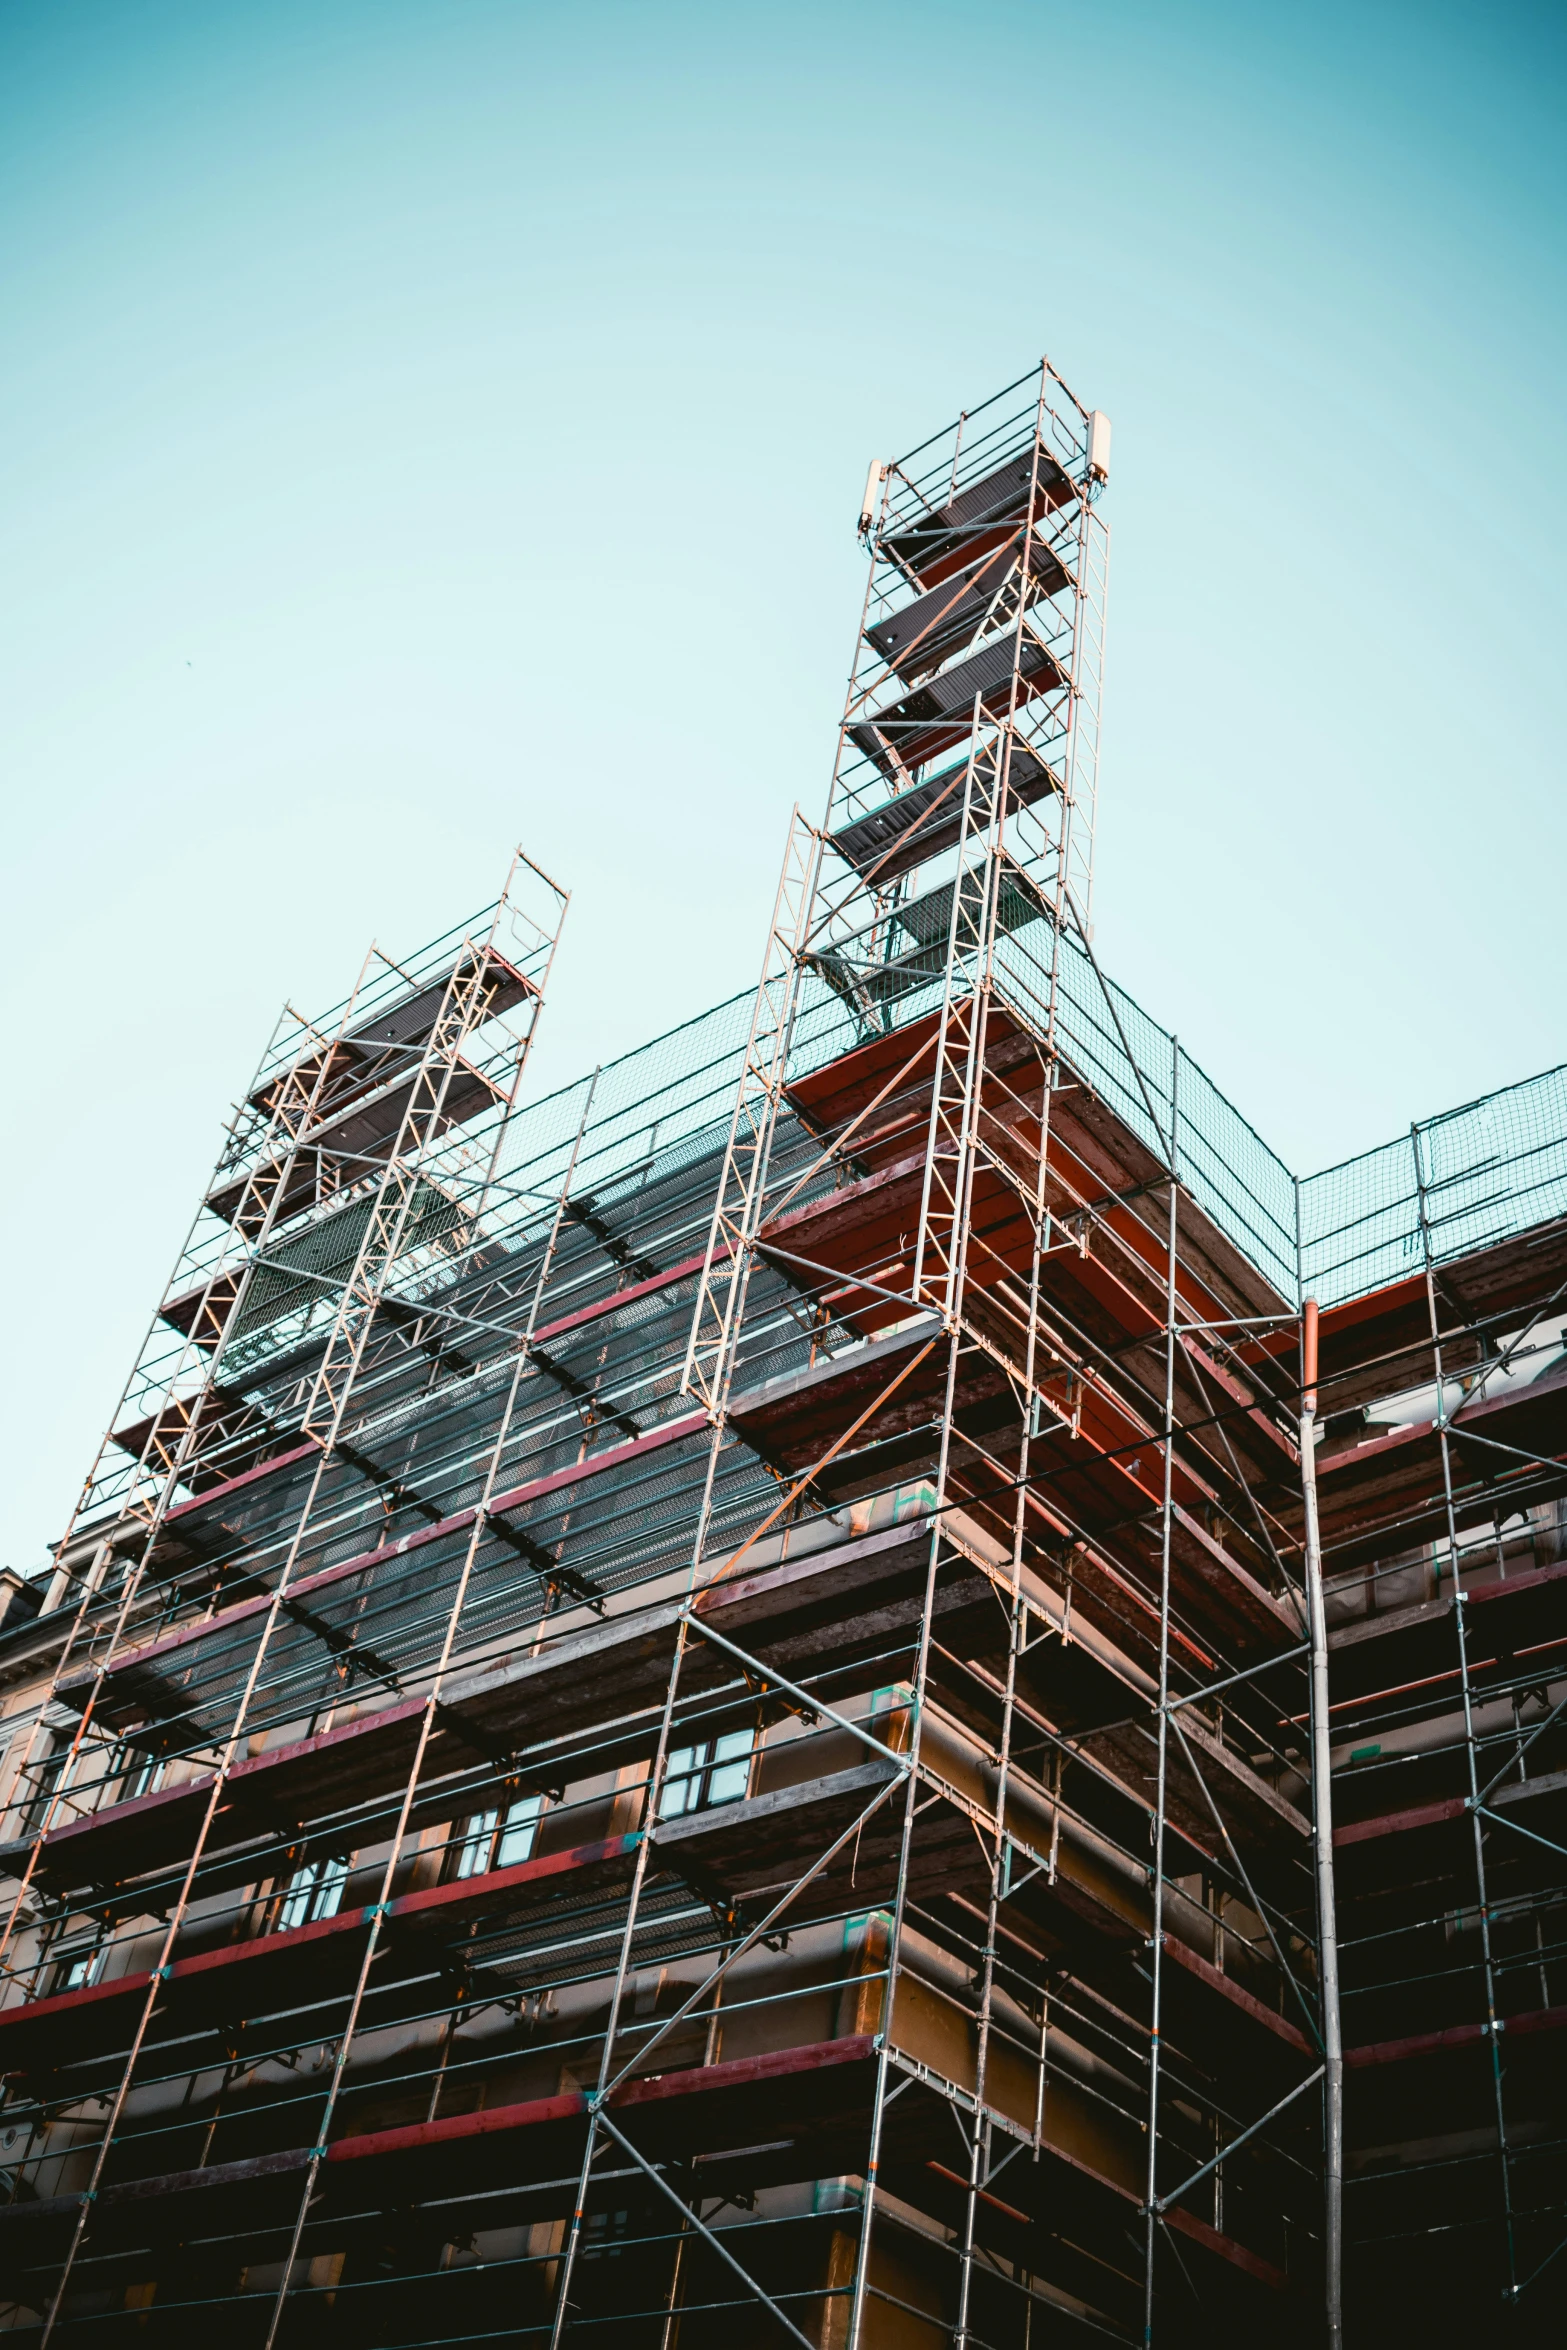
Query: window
{"points": [[604, 2233], [142, 1774], [313, 1892], [498, 1839], [78, 1968], [51, 1777], [701, 1776]]}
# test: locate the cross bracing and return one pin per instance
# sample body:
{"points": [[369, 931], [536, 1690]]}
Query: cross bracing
{"points": [[685, 1712]]}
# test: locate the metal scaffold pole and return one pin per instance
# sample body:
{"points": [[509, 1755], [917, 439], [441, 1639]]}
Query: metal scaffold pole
{"points": [[161, 1464], [1161, 1784], [706, 1708], [1494, 2025], [463, 1000], [1322, 1831]]}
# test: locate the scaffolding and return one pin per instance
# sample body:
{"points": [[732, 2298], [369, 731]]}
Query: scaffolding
{"points": [[1445, 1543], [705, 1709]]}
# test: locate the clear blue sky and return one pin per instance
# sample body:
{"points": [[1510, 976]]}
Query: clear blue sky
{"points": [[431, 425]]}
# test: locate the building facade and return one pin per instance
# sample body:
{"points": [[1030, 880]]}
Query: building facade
{"points": [[685, 1713]]}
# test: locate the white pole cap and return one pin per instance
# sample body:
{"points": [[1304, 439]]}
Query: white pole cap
{"points": [[873, 481]]}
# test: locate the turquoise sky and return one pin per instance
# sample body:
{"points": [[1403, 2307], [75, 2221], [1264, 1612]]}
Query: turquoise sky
{"points": [[427, 426]]}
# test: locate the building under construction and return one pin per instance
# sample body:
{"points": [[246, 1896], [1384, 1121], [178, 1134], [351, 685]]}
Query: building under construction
{"points": [[862, 1682]]}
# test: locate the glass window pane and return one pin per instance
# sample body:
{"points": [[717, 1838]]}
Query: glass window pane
{"points": [[522, 1825], [296, 1901], [333, 1876], [313, 1892], [473, 1854], [729, 1784], [143, 1773], [680, 1787], [730, 1778], [52, 1777], [676, 1798]]}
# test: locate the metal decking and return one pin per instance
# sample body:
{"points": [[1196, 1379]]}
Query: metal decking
{"points": [[682, 1713]]}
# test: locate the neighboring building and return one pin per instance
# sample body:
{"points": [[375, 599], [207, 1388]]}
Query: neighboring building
{"points": [[683, 1713]]}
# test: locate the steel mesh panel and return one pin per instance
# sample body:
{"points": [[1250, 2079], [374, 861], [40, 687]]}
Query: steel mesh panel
{"points": [[1498, 1165], [660, 1115], [1245, 1187], [1130, 1061], [1494, 1167], [1360, 1224]]}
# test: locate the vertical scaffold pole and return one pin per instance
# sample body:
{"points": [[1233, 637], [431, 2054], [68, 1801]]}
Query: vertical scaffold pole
{"points": [[461, 1010], [158, 1471], [1477, 1819], [381, 1906], [1166, 1530], [1322, 1833]]}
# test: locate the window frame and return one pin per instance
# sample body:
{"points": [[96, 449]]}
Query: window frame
{"points": [[55, 1772], [701, 1770], [138, 1769], [84, 1960], [318, 1885], [480, 1845]]}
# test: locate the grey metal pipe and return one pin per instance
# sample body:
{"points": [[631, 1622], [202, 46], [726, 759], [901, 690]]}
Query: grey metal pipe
{"points": [[1322, 1813]]}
